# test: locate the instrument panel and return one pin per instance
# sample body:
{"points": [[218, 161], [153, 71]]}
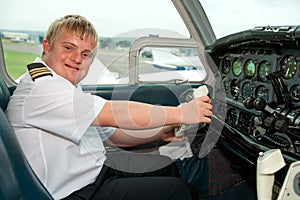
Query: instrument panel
{"points": [[262, 86], [245, 75], [260, 71]]}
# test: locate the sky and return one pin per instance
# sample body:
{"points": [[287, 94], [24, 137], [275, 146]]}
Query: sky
{"points": [[236, 15], [227, 15], [115, 14]]}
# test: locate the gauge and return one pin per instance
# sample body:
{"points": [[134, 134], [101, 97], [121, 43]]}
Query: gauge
{"points": [[245, 122], [264, 70], [225, 65], [247, 90], [289, 66], [231, 116], [295, 93], [298, 69], [262, 92], [219, 110], [250, 68], [226, 81], [234, 88], [237, 67]]}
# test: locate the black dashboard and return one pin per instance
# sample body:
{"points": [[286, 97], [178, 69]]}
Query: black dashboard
{"points": [[260, 70]]}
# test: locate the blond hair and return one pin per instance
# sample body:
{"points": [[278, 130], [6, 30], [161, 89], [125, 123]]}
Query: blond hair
{"points": [[74, 24]]}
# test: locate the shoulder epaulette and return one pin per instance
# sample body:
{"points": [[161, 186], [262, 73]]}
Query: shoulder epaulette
{"points": [[37, 70]]}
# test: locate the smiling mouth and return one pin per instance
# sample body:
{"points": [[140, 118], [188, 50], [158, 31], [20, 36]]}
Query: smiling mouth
{"points": [[75, 68]]}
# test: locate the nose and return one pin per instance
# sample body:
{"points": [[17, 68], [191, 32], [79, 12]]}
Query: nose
{"points": [[76, 57]]}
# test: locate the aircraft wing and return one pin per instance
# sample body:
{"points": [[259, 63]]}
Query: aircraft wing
{"points": [[165, 59]]}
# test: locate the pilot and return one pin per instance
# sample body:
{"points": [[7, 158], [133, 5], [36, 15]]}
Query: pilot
{"points": [[61, 129]]}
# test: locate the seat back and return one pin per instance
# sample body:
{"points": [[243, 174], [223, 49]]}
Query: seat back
{"points": [[4, 94], [17, 180]]}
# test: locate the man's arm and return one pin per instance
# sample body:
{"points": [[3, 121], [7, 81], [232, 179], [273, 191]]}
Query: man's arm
{"points": [[134, 115], [128, 138]]}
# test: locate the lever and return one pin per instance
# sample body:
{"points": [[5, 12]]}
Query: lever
{"points": [[280, 88], [276, 121], [268, 163], [261, 105]]}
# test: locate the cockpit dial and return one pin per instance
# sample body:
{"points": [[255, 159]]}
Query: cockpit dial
{"points": [[295, 93], [247, 90], [225, 65], [264, 69], [226, 82], [237, 67], [250, 68], [298, 69], [262, 92], [235, 88], [289, 66], [231, 117]]}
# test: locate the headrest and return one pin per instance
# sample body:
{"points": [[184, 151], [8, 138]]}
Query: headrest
{"points": [[4, 94]]}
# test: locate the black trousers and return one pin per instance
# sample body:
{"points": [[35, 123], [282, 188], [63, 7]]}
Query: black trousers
{"points": [[132, 176]]}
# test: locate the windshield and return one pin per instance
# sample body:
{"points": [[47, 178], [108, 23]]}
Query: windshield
{"points": [[231, 16]]}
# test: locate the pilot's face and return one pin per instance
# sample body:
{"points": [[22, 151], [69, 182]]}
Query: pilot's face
{"points": [[69, 56]]}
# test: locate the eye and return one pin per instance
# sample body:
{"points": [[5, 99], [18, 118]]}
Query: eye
{"points": [[87, 55], [68, 48]]}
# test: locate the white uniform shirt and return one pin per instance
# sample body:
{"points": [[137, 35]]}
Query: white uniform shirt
{"points": [[51, 118]]}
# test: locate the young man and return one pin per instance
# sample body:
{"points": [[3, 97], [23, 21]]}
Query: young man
{"points": [[61, 129]]}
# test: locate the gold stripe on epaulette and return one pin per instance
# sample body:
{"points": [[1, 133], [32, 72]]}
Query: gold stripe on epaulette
{"points": [[34, 71], [40, 74], [37, 70]]}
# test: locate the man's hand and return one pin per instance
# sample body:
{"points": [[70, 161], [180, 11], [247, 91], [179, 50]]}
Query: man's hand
{"points": [[196, 111], [167, 134]]}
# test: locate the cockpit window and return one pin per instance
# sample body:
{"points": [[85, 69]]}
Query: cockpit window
{"points": [[119, 24], [231, 16]]}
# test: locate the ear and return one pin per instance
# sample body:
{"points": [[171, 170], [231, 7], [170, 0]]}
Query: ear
{"points": [[46, 46]]}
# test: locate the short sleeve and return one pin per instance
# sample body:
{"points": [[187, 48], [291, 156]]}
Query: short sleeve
{"points": [[105, 132], [62, 109]]}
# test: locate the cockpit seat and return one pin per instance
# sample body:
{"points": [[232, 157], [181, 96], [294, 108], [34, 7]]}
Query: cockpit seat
{"points": [[4, 94], [17, 180]]}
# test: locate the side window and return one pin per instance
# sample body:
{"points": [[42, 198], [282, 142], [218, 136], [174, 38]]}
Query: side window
{"points": [[19, 50], [155, 65], [174, 64]]}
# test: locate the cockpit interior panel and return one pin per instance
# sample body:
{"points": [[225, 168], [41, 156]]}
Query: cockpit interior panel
{"points": [[260, 70]]}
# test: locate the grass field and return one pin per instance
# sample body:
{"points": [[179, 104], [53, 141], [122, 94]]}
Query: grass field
{"points": [[16, 62]]}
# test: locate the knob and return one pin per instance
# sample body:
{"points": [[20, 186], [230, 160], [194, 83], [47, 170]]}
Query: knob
{"points": [[249, 102], [281, 125], [259, 104]]}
